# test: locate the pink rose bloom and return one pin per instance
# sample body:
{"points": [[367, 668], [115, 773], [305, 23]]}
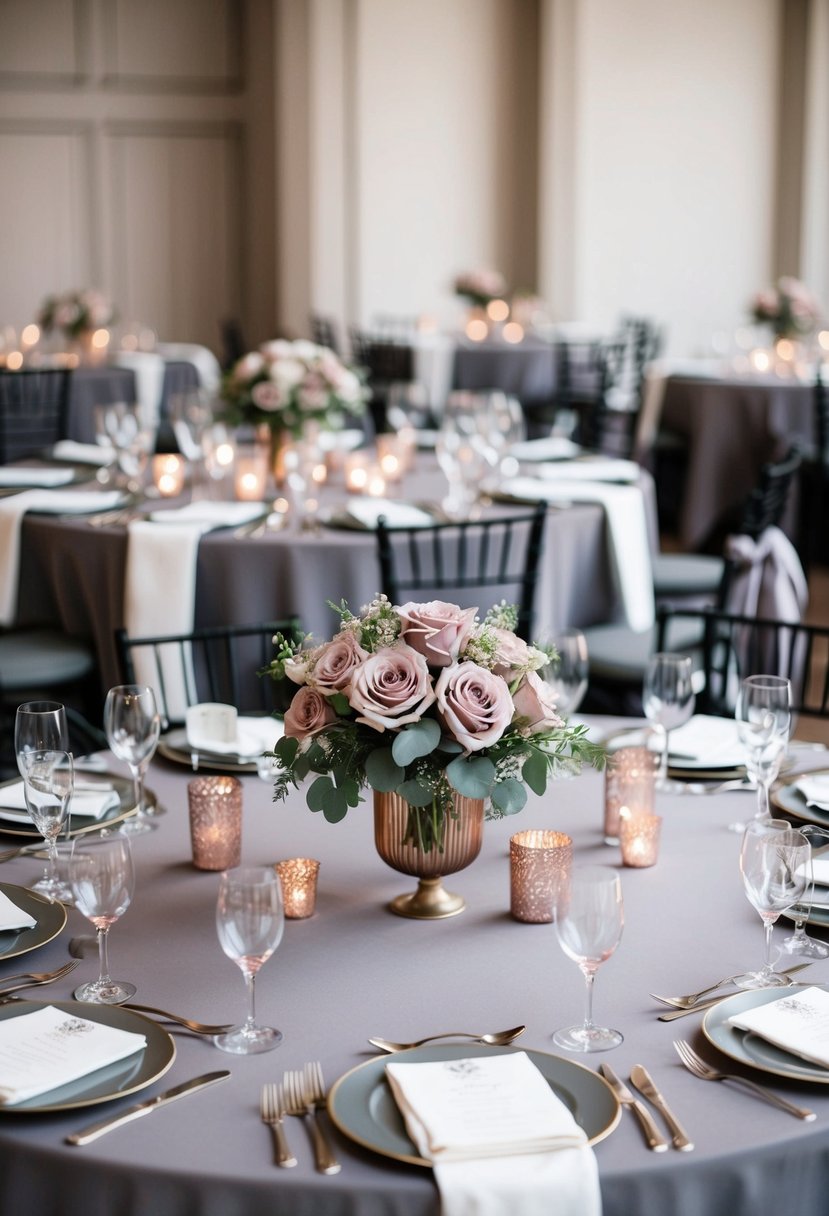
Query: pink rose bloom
{"points": [[533, 700], [308, 713], [513, 654], [475, 705], [391, 688], [296, 668], [437, 630], [249, 365], [267, 395], [336, 663]]}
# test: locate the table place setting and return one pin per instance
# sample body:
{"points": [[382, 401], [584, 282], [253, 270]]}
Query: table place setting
{"points": [[26, 477], [13, 917], [87, 803]]}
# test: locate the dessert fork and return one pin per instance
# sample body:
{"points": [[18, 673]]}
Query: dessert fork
{"points": [[302, 1100], [696, 1065], [690, 998], [32, 979], [272, 1110]]}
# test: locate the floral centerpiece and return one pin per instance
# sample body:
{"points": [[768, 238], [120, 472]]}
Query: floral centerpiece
{"points": [[286, 385], [428, 702], [75, 313], [479, 287], [788, 307]]}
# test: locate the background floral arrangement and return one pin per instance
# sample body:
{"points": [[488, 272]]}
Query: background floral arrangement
{"points": [[480, 286], [286, 384], [423, 700], [789, 307], [75, 312]]}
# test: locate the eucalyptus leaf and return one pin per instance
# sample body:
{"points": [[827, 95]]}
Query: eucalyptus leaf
{"points": [[351, 789], [471, 778], [534, 772], [317, 792], [416, 740], [382, 772], [335, 805], [286, 750], [509, 796], [415, 794]]}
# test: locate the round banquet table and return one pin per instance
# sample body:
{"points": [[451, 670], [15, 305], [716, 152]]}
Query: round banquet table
{"points": [[355, 970]]}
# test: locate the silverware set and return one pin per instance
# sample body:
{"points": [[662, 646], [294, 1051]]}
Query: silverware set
{"points": [[642, 1081], [301, 1094], [696, 1065], [693, 1002], [33, 979]]}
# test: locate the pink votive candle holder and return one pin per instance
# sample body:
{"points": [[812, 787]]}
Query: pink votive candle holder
{"points": [[298, 876], [215, 806], [630, 781], [539, 863], [639, 839]]}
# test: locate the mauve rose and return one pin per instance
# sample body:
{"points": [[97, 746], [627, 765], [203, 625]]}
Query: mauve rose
{"points": [[391, 688], [513, 655], [308, 713], [533, 700], [267, 395], [336, 662], [296, 668], [437, 630], [475, 705]]}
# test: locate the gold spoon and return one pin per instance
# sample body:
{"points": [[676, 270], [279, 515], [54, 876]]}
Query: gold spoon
{"points": [[499, 1038]]}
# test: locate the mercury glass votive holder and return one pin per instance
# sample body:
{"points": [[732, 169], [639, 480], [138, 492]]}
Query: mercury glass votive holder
{"points": [[630, 781], [298, 876], [539, 863], [639, 839], [215, 805]]}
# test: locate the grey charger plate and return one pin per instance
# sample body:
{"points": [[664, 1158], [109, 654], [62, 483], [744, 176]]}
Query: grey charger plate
{"points": [[751, 1049], [84, 823], [50, 917]]}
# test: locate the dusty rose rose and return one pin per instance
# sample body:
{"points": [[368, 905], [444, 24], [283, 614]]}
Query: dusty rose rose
{"points": [[308, 713], [248, 366], [391, 688], [296, 668], [267, 395], [513, 655], [437, 630], [336, 662], [533, 700], [475, 705]]}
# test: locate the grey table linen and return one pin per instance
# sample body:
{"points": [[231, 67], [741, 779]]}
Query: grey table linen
{"points": [[105, 385], [355, 970]]}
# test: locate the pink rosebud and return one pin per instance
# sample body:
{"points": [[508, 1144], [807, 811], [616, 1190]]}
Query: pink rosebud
{"points": [[475, 705], [308, 713], [391, 688], [533, 701], [437, 630]]}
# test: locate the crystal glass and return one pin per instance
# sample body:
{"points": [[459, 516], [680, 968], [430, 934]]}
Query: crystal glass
{"points": [[191, 415], [48, 784], [102, 877], [589, 921], [764, 722], [39, 726], [249, 921], [463, 452], [124, 428], [668, 700], [132, 725], [567, 673], [775, 865], [799, 942]]}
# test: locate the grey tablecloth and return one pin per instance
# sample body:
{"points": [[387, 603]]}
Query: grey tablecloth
{"points": [[104, 385], [355, 970], [526, 369]]}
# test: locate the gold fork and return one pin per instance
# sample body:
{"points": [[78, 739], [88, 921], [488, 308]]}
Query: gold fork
{"points": [[32, 979], [696, 1065], [300, 1100], [272, 1109]]}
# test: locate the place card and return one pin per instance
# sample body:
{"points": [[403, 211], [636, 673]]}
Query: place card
{"points": [[797, 1022]]}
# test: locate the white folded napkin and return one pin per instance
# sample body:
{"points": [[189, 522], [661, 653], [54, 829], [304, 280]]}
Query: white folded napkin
{"points": [[820, 869], [19, 475], [12, 917], [43, 1050], [90, 804], [367, 511], [797, 1022], [83, 453], [627, 534], [499, 1139], [551, 447], [815, 789], [591, 468], [708, 742], [340, 441], [252, 737], [211, 514], [148, 369], [12, 510]]}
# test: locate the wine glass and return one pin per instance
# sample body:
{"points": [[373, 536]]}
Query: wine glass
{"points": [[39, 726], [764, 721], [799, 942], [463, 452], [774, 863], [132, 726], [102, 877], [589, 921], [249, 922], [668, 700], [48, 785], [567, 673]]}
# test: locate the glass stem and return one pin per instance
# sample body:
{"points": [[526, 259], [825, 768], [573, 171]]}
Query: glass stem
{"points": [[52, 863], [769, 930], [250, 984], [662, 776], [103, 960], [138, 787], [589, 977], [763, 800]]}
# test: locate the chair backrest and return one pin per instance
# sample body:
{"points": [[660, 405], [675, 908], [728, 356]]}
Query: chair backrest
{"points": [[473, 563], [766, 504], [324, 332], [33, 410], [385, 362], [212, 664], [735, 646], [821, 417]]}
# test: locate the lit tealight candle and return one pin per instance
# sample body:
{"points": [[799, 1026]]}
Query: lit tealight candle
{"points": [[356, 472], [760, 360], [168, 474], [389, 455], [298, 879], [376, 483], [497, 310], [29, 337], [513, 332], [639, 837], [250, 477], [476, 329]]}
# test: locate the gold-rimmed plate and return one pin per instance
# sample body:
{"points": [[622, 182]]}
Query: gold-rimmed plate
{"points": [[50, 918], [751, 1049], [362, 1107], [788, 798], [79, 824], [116, 1080], [174, 746], [680, 768]]}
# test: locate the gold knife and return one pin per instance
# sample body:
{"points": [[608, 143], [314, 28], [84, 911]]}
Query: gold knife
{"points": [[656, 1141], [643, 1081], [94, 1130]]}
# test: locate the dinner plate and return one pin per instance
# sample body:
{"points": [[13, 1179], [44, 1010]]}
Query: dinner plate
{"points": [[687, 770], [126, 805], [81, 474], [751, 1049], [116, 1080], [174, 746], [50, 917], [362, 1107], [786, 797]]}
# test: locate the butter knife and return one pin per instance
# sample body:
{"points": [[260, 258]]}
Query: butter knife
{"points": [[643, 1081], [656, 1141], [94, 1130]]}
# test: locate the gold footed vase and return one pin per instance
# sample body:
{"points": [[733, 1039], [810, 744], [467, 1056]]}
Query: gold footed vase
{"points": [[462, 839]]}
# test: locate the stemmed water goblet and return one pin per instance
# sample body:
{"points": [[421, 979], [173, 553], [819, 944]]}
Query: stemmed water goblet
{"points": [[249, 921], [48, 785], [589, 918], [799, 942], [132, 726], [102, 877], [39, 726], [668, 700], [764, 722], [567, 674], [774, 863], [463, 453]]}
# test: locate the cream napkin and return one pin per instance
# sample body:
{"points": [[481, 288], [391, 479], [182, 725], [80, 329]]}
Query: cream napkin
{"points": [[83, 453], [708, 742], [367, 511], [627, 531], [12, 917], [90, 804], [815, 789], [591, 468], [12, 510], [551, 447], [798, 1023], [499, 1139], [41, 1051], [18, 475]]}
